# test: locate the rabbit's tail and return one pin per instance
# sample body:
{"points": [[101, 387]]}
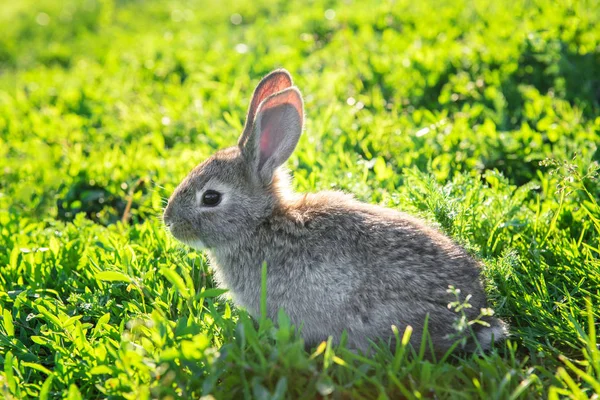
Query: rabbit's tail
{"points": [[488, 335]]}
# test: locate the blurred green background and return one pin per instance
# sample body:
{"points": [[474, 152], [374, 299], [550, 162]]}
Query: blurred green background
{"points": [[480, 116], [98, 94]]}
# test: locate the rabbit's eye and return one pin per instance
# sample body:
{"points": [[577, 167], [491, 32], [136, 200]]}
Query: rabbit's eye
{"points": [[211, 198]]}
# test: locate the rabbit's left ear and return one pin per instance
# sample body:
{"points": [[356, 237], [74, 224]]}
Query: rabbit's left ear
{"points": [[275, 134]]}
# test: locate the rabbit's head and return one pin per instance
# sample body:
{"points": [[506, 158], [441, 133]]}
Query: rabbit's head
{"points": [[228, 195]]}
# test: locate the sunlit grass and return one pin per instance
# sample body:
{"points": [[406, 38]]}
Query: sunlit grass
{"points": [[481, 117]]}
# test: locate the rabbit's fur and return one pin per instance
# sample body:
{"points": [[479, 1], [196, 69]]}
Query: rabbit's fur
{"points": [[334, 263]]}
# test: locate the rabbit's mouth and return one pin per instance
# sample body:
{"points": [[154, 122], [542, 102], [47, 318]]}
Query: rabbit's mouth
{"points": [[185, 235]]}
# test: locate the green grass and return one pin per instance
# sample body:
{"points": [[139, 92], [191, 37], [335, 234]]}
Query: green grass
{"points": [[480, 116]]}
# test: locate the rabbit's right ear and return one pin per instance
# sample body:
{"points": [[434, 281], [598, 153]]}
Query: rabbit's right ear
{"points": [[274, 82]]}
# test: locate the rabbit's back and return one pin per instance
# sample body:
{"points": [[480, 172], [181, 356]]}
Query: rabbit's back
{"points": [[335, 263]]}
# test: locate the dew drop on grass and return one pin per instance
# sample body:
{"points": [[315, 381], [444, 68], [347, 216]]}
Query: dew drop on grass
{"points": [[422, 132], [241, 48], [325, 385], [42, 19], [330, 14], [236, 19]]}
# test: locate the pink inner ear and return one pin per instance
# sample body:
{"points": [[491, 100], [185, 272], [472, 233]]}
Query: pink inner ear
{"points": [[266, 141], [272, 134], [281, 117]]}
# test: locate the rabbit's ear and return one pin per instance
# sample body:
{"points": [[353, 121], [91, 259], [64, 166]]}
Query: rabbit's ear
{"points": [[277, 129], [274, 82]]}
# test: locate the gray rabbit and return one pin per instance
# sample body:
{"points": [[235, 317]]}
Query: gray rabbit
{"points": [[334, 263]]}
